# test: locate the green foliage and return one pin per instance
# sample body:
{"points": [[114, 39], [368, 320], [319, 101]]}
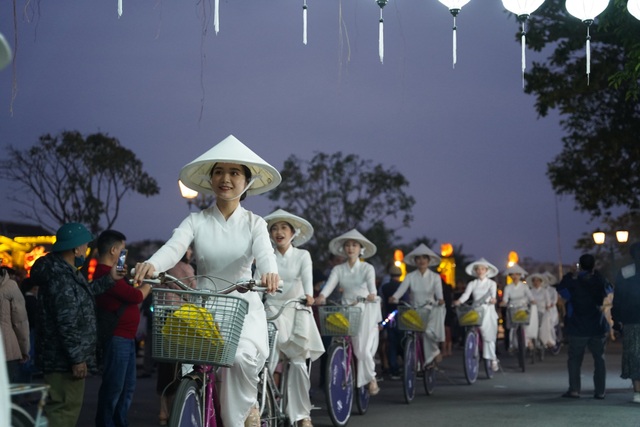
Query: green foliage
{"points": [[599, 161], [337, 192], [68, 178]]}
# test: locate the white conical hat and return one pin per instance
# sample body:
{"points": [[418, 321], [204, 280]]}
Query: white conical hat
{"points": [[540, 276], [5, 52], [470, 269], [196, 175], [336, 246], [422, 249], [515, 268], [301, 225]]}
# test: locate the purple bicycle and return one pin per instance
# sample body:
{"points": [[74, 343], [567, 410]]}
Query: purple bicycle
{"points": [[470, 316]]}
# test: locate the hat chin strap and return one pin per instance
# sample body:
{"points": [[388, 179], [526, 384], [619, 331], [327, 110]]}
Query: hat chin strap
{"points": [[253, 179]]}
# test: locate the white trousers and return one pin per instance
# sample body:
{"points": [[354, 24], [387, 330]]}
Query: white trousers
{"points": [[489, 329], [365, 344], [298, 384]]}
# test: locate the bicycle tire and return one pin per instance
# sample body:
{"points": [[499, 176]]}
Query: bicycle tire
{"points": [[555, 350], [339, 387], [522, 347], [268, 417], [187, 405], [471, 356], [20, 417], [409, 371], [362, 393], [429, 379]]}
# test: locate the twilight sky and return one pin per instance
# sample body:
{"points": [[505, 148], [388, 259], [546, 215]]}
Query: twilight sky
{"points": [[468, 139]]}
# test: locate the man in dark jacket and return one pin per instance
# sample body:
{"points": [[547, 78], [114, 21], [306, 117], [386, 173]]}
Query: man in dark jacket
{"points": [[585, 323], [66, 334]]}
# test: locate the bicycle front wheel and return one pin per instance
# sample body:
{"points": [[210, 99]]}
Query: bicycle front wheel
{"points": [[471, 356], [268, 417], [409, 373], [187, 405], [339, 385], [20, 417], [522, 346]]}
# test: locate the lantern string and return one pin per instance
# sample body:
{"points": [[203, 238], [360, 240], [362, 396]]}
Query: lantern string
{"points": [[523, 43], [119, 8], [216, 16], [588, 48], [381, 39], [304, 22], [455, 42]]}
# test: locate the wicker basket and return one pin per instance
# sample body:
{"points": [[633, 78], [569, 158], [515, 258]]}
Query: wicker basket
{"points": [[196, 327], [339, 320], [519, 314], [469, 315], [413, 319]]}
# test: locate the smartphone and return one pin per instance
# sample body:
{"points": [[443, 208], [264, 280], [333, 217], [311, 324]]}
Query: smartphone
{"points": [[120, 266]]}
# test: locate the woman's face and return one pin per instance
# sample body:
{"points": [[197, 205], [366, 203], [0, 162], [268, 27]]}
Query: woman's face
{"points": [[515, 277], [281, 233], [481, 270], [228, 180], [422, 261], [352, 248], [537, 282]]}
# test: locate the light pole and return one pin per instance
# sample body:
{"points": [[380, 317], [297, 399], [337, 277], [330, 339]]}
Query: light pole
{"points": [[194, 198], [622, 236]]}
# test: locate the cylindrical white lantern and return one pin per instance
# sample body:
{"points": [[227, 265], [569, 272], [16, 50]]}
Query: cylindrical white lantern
{"points": [[633, 6]]}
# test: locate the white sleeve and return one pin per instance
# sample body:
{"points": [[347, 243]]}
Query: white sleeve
{"points": [[467, 292], [331, 283], [171, 252], [306, 273], [402, 289], [370, 277]]}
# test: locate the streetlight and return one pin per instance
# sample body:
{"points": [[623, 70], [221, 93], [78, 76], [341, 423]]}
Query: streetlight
{"points": [[194, 198], [622, 236]]}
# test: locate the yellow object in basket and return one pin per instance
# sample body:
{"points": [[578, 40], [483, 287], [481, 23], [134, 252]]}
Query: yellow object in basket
{"points": [[470, 318], [412, 320], [521, 316], [192, 326], [338, 323]]}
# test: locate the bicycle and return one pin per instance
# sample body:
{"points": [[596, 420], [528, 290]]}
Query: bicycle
{"points": [[273, 398], [202, 328], [414, 321], [342, 322], [19, 416], [471, 318], [519, 316]]}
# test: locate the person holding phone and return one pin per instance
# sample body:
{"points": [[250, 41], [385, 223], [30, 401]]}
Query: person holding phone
{"points": [[119, 350]]}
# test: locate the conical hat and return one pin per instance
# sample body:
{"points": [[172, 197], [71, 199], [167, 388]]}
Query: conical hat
{"points": [[540, 276], [301, 225], [422, 249], [470, 269], [5, 52], [515, 268], [196, 175], [336, 246]]}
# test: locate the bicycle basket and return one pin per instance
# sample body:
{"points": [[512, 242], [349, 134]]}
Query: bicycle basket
{"points": [[469, 315], [413, 319], [519, 314], [196, 327], [339, 320]]}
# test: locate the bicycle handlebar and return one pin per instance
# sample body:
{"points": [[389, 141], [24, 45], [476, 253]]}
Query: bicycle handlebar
{"points": [[302, 301]]}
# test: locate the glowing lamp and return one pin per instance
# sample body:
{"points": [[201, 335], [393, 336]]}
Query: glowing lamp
{"points": [[454, 7], [446, 249], [598, 237], [186, 192]]}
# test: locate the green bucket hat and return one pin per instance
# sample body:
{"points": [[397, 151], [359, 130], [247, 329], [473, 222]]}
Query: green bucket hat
{"points": [[71, 235]]}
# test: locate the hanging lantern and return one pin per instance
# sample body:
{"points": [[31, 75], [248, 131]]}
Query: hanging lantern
{"points": [[454, 7], [633, 6], [304, 22], [382, 4], [119, 8], [586, 11], [522, 9]]}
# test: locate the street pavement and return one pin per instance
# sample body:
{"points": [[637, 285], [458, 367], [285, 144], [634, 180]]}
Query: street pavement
{"points": [[512, 398]]}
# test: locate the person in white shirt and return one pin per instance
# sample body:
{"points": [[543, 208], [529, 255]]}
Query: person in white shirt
{"points": [[518, 294], [538, 281], [358, 279], [425, 286], [298, 335], [484, 289], [227, 239]]}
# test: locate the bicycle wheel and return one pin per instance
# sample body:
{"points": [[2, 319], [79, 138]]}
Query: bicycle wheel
{"points": [[20, 417], [339, 385], [488, 369], [429, 379], [471, 356], [187, 405], [268, 417], [555, 350], [522, 346], [409, 371]]}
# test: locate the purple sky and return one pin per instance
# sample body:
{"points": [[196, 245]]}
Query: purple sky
{"points": [[468, 139]]}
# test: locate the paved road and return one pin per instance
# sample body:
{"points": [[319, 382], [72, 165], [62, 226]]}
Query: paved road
{"points": [[512, 398]]}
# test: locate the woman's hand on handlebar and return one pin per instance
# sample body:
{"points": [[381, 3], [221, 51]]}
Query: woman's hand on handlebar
{"points": [[309, 300], [320, 300], [456, 303], [144, 270], [371, 297], [270, 281], [393, 300]]}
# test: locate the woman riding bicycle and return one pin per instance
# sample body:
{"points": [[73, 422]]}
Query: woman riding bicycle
{"points": [[425, 286], [298, 336], [538, 283], [226, 239], [484, 290], [357, 279], [517, 293]]}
